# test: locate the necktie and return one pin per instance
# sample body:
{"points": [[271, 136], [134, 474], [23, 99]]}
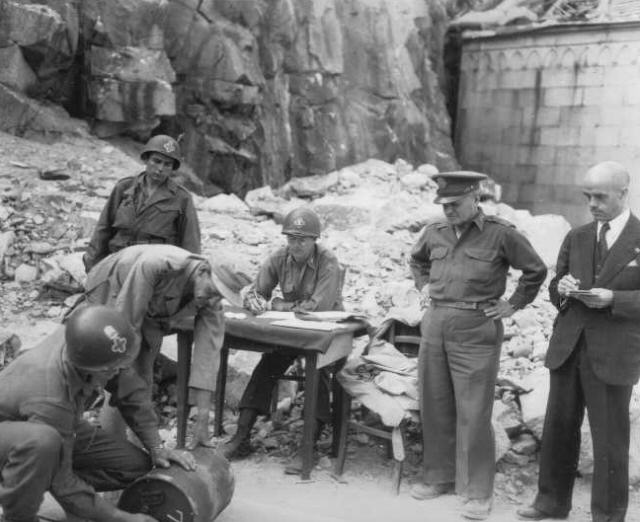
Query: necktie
{"points": [[601, 247]]}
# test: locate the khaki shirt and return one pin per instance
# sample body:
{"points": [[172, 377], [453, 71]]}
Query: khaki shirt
{"points": [[153, 283], [167, 217], [41, 386], [313, 286], [474, 267]]}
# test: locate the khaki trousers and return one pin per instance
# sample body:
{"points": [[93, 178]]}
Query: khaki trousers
{"points": [[458, 365]]}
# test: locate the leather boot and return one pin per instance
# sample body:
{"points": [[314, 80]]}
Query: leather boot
{"points": [[239, 445]]}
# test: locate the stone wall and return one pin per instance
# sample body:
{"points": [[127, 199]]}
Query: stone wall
{"points": [[538, 107]]}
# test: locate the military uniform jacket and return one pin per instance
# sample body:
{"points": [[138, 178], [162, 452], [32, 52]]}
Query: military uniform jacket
{"points": [[314, 286], [41, 386], [612, 335], [474, 267], [154, 281], [167, 217]]}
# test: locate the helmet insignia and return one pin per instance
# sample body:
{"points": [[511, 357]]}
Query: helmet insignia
{"points": [[169, 146], [118, 343], [299, 222]]}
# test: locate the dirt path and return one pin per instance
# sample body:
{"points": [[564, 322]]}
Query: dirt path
{"points": [[265, 493]]}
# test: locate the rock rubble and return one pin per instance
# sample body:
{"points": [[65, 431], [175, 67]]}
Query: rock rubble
{"points": [[372, 212]]}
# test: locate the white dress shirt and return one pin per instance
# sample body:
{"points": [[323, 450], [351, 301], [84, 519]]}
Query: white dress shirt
{"points": [[615, 227]]}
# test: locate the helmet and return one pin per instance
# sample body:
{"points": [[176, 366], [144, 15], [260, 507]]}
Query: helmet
{"points": [[99, 338], [164, 145], [301, 222]]}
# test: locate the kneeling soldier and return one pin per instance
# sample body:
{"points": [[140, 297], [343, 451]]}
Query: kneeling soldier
{"points": [[46, 445]]}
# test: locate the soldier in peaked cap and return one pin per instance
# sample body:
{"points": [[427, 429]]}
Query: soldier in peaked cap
{"points": [[463, 260]]}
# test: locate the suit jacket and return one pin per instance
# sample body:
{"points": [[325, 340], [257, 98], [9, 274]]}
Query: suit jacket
{"points": [[612, 335]]}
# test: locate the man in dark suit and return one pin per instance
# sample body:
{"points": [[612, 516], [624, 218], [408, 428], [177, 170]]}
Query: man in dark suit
{"points": [[594, 352]]}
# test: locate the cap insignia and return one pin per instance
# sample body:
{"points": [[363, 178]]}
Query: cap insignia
{"points": [[169, 146]]}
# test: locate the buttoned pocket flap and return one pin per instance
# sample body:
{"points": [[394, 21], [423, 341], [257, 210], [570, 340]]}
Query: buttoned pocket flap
{"points": [[481, 254], [438, 253]]}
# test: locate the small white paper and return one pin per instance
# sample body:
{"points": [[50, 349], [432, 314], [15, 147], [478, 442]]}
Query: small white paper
{"points": [[235, 315], [308, 325], [272, 314]]}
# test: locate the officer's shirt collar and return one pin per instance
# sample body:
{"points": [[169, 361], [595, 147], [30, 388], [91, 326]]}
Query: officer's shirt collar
{"points": [[478, 220]]}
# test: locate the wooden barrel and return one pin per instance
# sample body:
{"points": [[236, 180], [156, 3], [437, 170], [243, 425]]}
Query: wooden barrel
{"points": [[176, 495]]}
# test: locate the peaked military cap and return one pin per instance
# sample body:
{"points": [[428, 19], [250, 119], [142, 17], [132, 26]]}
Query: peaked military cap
{"points": [[455, 185]]}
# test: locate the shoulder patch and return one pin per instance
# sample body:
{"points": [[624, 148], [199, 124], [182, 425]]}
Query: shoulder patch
{"points": [[437, 224], [500, 221], [127, 179]]}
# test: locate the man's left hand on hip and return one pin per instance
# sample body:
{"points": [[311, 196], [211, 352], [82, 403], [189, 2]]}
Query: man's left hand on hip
{"points": [[500, 310]]}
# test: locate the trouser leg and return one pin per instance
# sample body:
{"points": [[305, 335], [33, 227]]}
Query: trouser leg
{"points": [[257, 394], [560, 449], [472, 345], [105, 462], [323, 408], [437, 406], [608, 409], [264, 378], [30, 454]]}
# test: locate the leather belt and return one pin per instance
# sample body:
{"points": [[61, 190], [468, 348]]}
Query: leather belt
{"points": [[462, 305]]}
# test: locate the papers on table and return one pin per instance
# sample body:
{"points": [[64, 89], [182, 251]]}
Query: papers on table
{"points": [[308, 325], [325, 321], [271, 315], [235, 315]]}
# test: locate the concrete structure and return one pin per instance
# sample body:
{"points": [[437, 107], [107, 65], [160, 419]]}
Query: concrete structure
{"points": [[538, 106]]}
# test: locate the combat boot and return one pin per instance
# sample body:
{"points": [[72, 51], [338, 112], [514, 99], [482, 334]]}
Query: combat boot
{"points": [[239, 446]]}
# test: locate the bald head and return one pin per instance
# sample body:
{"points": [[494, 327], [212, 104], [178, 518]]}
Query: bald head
{"points": [[608, 174], [606, 187]]}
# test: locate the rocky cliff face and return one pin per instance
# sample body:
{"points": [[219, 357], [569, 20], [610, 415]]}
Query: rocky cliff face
{"points": [[261, 90]]}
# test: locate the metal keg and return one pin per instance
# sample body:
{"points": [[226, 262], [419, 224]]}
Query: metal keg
{"points": [[176, 495]]}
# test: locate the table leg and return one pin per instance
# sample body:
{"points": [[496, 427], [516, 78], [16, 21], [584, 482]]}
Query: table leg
{"points": [[310, 406], [337, 404], [185, 341], [220, 391]]}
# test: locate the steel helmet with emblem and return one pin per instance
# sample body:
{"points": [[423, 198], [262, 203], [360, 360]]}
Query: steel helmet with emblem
{"points": [[164, 145], [455, 185], [302, 222], [99, 338]]}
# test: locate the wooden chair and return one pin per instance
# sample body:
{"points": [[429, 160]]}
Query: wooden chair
{"points": [[406, 339]]}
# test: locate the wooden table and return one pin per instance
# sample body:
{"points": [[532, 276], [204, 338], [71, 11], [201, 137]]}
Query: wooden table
{"points": [[320, 349]]}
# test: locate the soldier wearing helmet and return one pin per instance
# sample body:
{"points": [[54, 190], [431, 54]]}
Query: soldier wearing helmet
{"points": [[310, 279], [147, 208], [158, 286], [47, 445]]}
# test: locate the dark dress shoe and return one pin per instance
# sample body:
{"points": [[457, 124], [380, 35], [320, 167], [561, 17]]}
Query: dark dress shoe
{"points": [[533, 513]]}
